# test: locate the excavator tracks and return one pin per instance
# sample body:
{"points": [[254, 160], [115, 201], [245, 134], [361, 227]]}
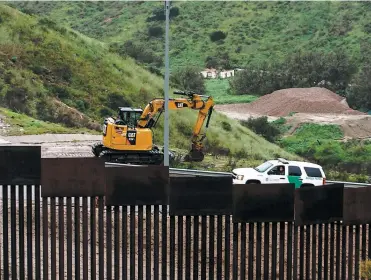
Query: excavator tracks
{"points": [[153, 157]]}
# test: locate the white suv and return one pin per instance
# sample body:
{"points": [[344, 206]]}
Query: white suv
{"points": [[302, 174]]}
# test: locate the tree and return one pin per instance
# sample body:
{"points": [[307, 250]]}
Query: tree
{"points": [[359, 93], [304, 69], [189, 78]]}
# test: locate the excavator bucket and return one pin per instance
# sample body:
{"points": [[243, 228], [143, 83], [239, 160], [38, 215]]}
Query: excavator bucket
{"points": [[194, 156]]}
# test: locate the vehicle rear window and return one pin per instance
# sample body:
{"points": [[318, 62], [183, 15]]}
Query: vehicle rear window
{"points": [[313, 172], [294, 171]]}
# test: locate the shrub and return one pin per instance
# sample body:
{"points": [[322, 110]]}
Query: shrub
{"points": [[188, 78], [226, 126], [217, 35], [116, 100], [262, 127], [155, 31], [365, 269]]}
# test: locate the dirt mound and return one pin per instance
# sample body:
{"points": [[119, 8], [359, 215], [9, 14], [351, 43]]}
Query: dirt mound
{"points": [[301, 100]]}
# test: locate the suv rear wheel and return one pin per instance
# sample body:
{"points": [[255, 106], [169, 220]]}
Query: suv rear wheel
{"points": [[252, 182]]}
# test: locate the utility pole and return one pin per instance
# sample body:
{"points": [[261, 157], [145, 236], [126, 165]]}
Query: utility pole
{"points": [[166, 85]]}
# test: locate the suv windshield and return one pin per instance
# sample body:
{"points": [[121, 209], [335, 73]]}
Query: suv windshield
{"points": [[263, 167]]}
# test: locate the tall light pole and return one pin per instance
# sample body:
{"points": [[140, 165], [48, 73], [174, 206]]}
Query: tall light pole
{"points": [[166, 86]]}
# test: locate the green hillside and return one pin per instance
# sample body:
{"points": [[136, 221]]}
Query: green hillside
{"points": [[57, 75], [254, 31]]}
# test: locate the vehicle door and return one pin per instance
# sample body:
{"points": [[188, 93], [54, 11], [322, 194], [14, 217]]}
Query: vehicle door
{"points": [[294, 175], [277, 174]]}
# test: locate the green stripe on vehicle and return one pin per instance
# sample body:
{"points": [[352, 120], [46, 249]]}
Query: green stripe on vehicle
{"points": [[295, 180]]}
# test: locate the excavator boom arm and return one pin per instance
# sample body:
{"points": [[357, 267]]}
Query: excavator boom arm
{"points": [[194, 102]]}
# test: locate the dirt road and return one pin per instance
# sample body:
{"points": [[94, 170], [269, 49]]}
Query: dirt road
{"points": [[57, 145]]}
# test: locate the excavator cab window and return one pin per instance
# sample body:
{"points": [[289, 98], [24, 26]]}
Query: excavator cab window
{"points": [[128, 116]]}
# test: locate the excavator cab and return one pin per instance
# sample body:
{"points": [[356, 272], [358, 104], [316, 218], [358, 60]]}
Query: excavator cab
{"points": [[128, 116]]}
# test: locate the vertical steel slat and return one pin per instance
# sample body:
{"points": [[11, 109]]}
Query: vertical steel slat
{"points": [[219, 249], [338, 250], [69, 238], [180, 247], [21, 232], [53, 243], [289, 250], [93, 236], [37, 233], [29, 232], [314, 252], [188, 267], [157, 242], [13, 230], [357, 245], [132, 243], [266, 249], [148, 243], [243, 252], [85, 228], [140, 242], [344, 252], [212, 240], [301, 248], [274, 250], [116, 263], [295, 261], [61, 237], [364, 242], [164, 242], [77, 237], [195, 246], [332, 250], [258, 267], [124, 230], [350, 253], [227, 259], [5, 233], [235, 252], [307, 251], [203, 246], [282, 250], [250, 263], [320, 251], [45, 239], [101, 236], [172, 247], [326, 255]]}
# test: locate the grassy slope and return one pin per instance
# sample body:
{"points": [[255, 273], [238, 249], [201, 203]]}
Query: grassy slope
{"points": [[260, 30], [221, 92], [45, 66]]}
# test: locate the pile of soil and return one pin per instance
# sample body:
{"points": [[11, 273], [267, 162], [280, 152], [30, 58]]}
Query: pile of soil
{"points": [[301, 100]]}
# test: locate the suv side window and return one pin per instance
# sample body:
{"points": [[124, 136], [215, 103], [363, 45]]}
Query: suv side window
{"points": [[313, 172], [277, 170], [294, 171]]}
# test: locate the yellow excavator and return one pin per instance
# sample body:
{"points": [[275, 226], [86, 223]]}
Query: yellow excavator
{"points": [[129, 137]]}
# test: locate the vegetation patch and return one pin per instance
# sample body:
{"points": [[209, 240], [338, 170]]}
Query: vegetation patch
{"points": [[21, 124], [220, 90]]}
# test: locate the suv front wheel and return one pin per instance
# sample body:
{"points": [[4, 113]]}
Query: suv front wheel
{"points": [[253, 182]]}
